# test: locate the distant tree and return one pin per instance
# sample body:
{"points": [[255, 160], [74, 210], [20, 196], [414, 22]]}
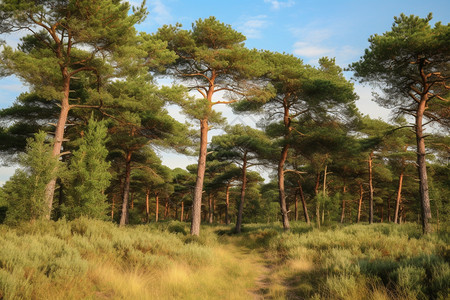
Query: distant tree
{"points": [[211, 59], [89, 174], [410, 66], [298, 89], [25, 191], [245, 147]]}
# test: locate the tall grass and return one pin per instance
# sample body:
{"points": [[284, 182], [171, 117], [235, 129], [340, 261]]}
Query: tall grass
{"points": [[381, 261], [89, 259]]}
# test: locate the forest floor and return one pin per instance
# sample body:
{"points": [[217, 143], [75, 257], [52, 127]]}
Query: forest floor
{"points": [[91, 259]]}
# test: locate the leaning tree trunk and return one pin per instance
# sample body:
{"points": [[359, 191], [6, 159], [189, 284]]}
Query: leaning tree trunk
{"points": [[422, 167], [305, 208], [197, 201], [126, 191], [58, 139], [399, 197], [281, 189], [243, 187]]}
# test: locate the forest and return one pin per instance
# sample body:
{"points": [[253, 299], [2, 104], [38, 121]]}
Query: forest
{"points": [[314, 201]]}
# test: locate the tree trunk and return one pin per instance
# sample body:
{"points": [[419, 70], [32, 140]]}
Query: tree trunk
{"points": [[370, 189], [147, 205], [316, 192], [296, 207], [389, 209], [324, 192], [182, 211], [132, 200], [113, 206], [361, 192], [227, 207], [281, 189], [166, 209], [157, 207], [243, 187], [58, 139], [210, 209], [197, 201], [422, 167], [305, 208], [126, 191], [343, 204], [399, 197]]}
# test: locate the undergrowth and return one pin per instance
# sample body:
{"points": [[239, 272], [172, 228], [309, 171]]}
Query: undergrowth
{"points": [[90, 259], [380, 261]]}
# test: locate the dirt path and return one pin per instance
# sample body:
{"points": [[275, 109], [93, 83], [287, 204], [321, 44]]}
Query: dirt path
{"points": [[262, 266]]}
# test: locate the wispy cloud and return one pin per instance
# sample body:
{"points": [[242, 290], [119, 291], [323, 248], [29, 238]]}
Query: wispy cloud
{"points": [[159, 13], [252, 27], [280, 4], [306, 49], [314, 42]]}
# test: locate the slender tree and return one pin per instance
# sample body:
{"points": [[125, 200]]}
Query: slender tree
{"points": [[410, 66], [211, 59]]}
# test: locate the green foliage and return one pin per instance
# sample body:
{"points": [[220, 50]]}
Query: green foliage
{"points": [[89, 175], [25, 191]]}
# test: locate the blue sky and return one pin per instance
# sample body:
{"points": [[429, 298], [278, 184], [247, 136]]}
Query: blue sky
{"points": [[307, 28]]}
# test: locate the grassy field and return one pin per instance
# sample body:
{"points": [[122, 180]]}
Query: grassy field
{"points": [[88, 259]]}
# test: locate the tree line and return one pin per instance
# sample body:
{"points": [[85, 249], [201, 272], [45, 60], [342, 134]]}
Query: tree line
{"points": [[88, 129]]}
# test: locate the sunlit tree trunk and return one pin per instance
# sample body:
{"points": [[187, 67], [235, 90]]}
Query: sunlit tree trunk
{"points": [[227, 207], [182, 211], [361, 193], [399, 197], [421, 162], [58, 138], [197, 201]]}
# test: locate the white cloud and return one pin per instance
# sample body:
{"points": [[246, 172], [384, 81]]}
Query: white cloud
{"points": [[305, 49], [252, 26], [314, 42], [280, 4], [159, 13]]}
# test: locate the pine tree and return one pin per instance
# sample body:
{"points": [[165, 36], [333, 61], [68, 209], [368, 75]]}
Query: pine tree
{"points": [[25, 191], [89, 175], [410, 65]]}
